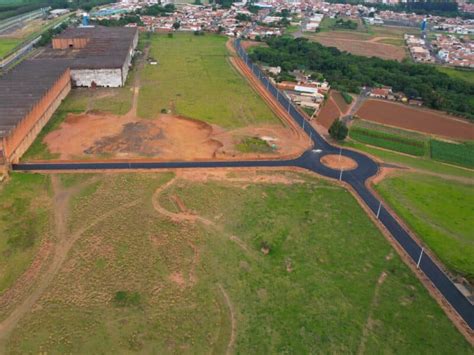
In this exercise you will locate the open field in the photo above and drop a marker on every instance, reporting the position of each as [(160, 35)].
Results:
[(385, 42), (439, 212), (105, 123), (7, 44), (416, 119), (464, 74), (24, 224), (222, 261), (194, 79)]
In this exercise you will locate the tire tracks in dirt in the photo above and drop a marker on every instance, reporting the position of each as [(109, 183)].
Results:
[(61, 250), (233, 321), (370, 321)]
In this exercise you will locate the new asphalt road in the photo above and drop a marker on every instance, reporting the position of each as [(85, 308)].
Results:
[(309, 160)]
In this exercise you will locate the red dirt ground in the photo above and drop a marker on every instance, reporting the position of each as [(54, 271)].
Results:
[(340, 102), (334, 161), (328, 113), (416, 119)]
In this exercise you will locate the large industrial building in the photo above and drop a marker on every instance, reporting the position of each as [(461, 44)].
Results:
[(29, 95), (33, 90), (100, 56)]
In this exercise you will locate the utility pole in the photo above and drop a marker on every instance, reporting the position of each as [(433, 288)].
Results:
[(340, 175), (340, 153), (419, 259)]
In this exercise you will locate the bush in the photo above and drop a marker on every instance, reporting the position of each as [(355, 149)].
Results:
[(126, 299), (390, 141), (461, 154), (347, 98), (338, 130)]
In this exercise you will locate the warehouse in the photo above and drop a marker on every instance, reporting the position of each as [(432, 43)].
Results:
[(30, 93), (100, 56)]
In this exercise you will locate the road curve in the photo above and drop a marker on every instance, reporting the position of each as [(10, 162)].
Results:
[(309, 160)]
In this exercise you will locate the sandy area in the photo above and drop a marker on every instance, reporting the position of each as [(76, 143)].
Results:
[(96, 135), (336, 162)]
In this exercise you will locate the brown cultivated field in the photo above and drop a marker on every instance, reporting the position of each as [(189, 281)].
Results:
[(416, 119), (333, 108)]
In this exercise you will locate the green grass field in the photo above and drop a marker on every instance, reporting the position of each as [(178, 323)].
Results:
[(7, 44), (194, 78), (24, 222), (464, 74), (136, 281), (439, 212), (389, 138)]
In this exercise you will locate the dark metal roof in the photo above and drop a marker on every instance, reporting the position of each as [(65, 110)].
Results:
[(23, 86), (107, 48)]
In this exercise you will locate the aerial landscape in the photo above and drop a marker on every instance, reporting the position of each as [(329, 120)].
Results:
[(236, 177)]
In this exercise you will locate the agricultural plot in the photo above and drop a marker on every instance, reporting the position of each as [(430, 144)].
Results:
[(416, 119), (440, 212), (7, 44), (194, 79), (166, 264), (389, 138)]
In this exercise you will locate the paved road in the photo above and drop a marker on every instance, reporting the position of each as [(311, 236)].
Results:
[(309, 160)]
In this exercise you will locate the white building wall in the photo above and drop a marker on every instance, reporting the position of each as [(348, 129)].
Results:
[(101, 77)]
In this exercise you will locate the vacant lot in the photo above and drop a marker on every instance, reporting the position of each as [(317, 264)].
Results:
[(194, 79), (379, 41), (416, 119), (225, 261), (334, 108), (440, 213)]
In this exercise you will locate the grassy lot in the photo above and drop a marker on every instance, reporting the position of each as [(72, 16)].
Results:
[(440, 212), (7, 44), (421, 163), (254, 144), (466, 74), (390, 138), (25, 206), (138, 282), (195, 79)]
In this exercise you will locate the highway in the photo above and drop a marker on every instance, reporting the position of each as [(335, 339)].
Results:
[(309, 160)]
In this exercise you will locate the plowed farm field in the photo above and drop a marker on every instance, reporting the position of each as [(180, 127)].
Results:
[(416, 119)]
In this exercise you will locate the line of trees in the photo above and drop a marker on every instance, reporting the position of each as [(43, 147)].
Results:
[(347, 72)]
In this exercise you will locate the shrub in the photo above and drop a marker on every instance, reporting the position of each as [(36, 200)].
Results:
[(126, 299), (338, 130), (347, 98)]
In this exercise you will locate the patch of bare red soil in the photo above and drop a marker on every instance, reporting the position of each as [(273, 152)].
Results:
[(338, 162)]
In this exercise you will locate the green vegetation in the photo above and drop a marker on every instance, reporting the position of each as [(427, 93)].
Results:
[(347, 98), (389, 138), (459, 154), (197, 281), (338, 130), (439, 212), (462, 74), (340, 23), (195, 79), (7, 45), (421, 163), (24, 223), (126, 299), (254, 145), (412, 143), (347, 72)]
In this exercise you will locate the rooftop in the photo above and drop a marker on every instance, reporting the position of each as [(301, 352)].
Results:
[(23, 86), (107, 48)]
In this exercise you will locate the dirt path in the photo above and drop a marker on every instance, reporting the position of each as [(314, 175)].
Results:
[(370, 321), (233, 333), (62, 248)]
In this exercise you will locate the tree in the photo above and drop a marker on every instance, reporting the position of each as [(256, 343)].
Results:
[(338, 130), (176, 25)]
